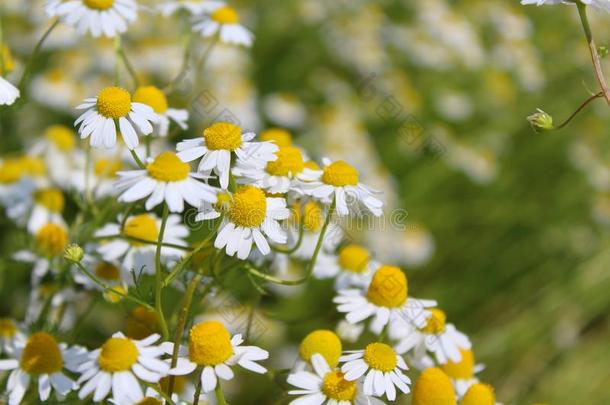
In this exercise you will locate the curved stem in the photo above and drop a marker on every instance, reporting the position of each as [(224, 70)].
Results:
[(35, 53), (579, 109), (159, 275), (599, 73), (295, 247), (220, 397), (136, 158)]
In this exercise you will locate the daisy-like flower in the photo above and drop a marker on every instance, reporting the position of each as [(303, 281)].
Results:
[(8, 92), (98, 17), (386, 300), (437, 337), (351, 266), (40, 357), (155, 98), (479, 394), (166, 178), (195, 7), (383, 368), (48, 206), (248, 214), (131, 250), (118, 365), (10, 334), (114, 104), (217, 144), (433, 387), (603, 5), (463, 372), (323, 342), (212, 348), (326, 386), (340, 180), (224, 22)]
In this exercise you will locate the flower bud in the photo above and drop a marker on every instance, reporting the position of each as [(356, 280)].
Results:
[(541, 121), (74, 253)]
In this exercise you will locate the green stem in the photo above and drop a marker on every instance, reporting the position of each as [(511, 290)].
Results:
[(197, 393), (132, 72), (148, 242), (199, 67), (220, 397), (185, 64), (579, 109), (599, 73), (159, 275), (35, 53), (137, 159), (295, 247)]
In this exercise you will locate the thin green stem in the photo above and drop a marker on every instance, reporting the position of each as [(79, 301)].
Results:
[(137, 159), (199, 67), (30, 63), (295, 247), (157, 387), (185, 64), (579, 109), (148, 242), (159, 275), (197, 393), (130, 69), (599, 73), (220, 397)]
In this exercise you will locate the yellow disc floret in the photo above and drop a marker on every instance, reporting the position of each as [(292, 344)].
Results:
[(115, 294), (223, 202), (143, 227), (114, 102), (249, 207), (462, 370), (151, 96), (336, 387), (167, 166), (340, 174), (107, 167), (209, 344), (14, 169), (225, 15), (289, 162), (8, 328), (278, 136), (50, 198), (311, 216), (51, 239), (222, 136), (479, 394), (324, 342), (436, 322), (354, 258), (380, 356), (62, 137), (41, 355), (99, 4), (433, 387), (118, 354), (388, 287), (107, 271)]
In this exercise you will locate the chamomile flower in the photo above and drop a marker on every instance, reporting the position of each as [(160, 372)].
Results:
[(351, 266), (382, 366), (118, 366), (155, 98), (479, 394), (437, 337), (386, 300), (433, 387), (217, 144), (113, 104), (279, 136), (10, 334), (248, 214), (8, 92), (166, 179), (40, 357), (277, 176), (463, 372), (603, 5), (129, 245), (340, 180), (212, 348), (224, 22), (48, 204), (98, 17), (326, 386), (195, 7)]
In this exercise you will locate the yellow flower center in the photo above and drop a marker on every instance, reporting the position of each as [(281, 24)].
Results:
[(249, 207), (8, 63), (51, 239), (336, 387), (62, 137), (41, 355), (118, 354), (280, 136), (167, 166), (209, 344), (464, 369), (311, 165), (50, 198), (354, 258), (107, 167), (222, 136), (152, 96), (223, 202), (288, 163), (141, 323), (115, 294), (143, 227), (380, 357), (388, 287), (324, 342), (99, 4), (225, 15), (149, 401), (107, 271), (14, 169), (436, 322), (340, 174), (312, 215), (7, 328), (479, 394), (113, 102), (433, 387), (33, 166)]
